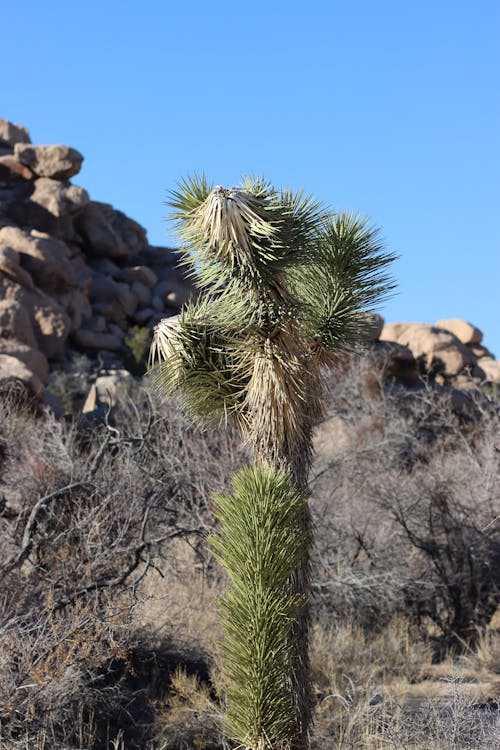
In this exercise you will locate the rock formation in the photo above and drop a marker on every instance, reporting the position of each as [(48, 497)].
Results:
[(449, 352), (75, 274)]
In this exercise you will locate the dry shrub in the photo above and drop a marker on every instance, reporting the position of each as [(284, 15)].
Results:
[(108, 588), (406, 505), (89, 510)]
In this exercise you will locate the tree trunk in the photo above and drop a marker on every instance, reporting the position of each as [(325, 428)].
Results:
[(298, 467)]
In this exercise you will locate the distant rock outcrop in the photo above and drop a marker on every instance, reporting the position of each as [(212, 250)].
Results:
[(74, 273), (448, 352)]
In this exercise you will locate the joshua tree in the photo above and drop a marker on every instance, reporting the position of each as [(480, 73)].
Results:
[(286, 285)]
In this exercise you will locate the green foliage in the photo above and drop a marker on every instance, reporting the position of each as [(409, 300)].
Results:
[(200, 358), (138, 341), (260, 544), (346, 277)]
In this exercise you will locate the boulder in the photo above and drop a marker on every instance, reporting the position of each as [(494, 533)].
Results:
[(465, 332), (142, 292), (16, 323), (56, 162), (45, 204), (78, 308), (161, 256), (113, 312), (52, 326), (11, 134), (162, 288), (32, 358), (178, 296), (10, 265), (107, 291), (126, 298), (84, 274), (396, 361), (116, 331), (96, 323), (59, 198), (491, 368), (12, 370), (46, 259), (157, 303), (31, 311), (12, 168), (105, 267), (437, 350), (374, 326), (142, 316), (87, 339), (481, 351), (109, 233), (141, 274), (106, 390)]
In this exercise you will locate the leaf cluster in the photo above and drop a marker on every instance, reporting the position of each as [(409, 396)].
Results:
[(346, 276), (260, 543)]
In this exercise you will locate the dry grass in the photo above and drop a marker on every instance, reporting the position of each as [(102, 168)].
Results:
[(383, 691)]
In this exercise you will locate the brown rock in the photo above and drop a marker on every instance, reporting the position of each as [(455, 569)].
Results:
[(491, 368), (374, 326), (113, 312), (126, 298), (15, 323), (10, 167), (46, 259), (105, 267), (116, 330), (157, 303), (142, 292), (465, 332), (46, 318), (162, 288), (12, 369), (10, 265), (107, 291), (142, 274), (83, 272), (178, 296), (59, 198), (77, 306), (57, 162), (106, 390), (32, 358), (52, 327), (97, 323), (396, 361), (481, 351), (438, 350), (142, 316), (11, 134), (87, 339), (109, 233), (161, 256)]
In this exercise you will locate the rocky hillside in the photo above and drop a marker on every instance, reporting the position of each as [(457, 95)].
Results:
[(77, 275), (449, 352)]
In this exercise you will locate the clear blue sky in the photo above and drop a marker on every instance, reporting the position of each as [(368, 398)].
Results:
[(389, 108)]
